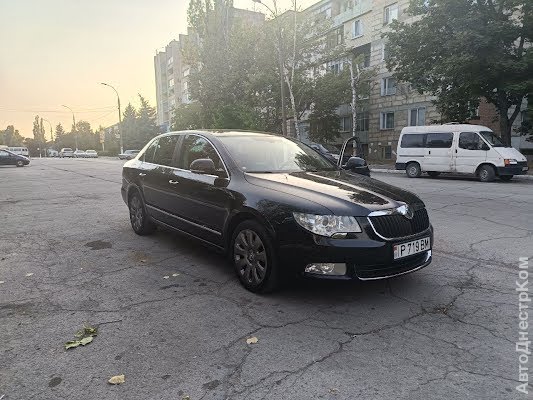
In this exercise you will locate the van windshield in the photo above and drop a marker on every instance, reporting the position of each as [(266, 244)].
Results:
[(492, 138)]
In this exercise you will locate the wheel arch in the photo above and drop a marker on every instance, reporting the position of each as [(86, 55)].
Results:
[(243, 215), (476, 173)]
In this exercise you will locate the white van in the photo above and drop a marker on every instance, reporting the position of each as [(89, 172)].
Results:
[(21, 151), (457, 148)]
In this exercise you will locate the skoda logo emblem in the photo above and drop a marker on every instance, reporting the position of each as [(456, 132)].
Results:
[(406, 211)]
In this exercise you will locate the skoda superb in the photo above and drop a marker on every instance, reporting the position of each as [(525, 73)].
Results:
[(275, 206)]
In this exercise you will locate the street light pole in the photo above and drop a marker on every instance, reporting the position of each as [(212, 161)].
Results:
[(74, 125), (51, 136), (280, 61), (119, 116)]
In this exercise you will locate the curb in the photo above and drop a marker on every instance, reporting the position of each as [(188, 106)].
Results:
[(397, 171)]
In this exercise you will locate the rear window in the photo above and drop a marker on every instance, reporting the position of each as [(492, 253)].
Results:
[(441, 140), (413, 140)]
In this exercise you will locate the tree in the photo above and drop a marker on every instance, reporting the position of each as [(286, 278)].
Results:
[(462, 50), (187, 116), (146, 122), (11, 137)]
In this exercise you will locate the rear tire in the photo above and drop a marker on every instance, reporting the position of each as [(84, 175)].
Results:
[(413, 170), (433, 174), (140, 220), (486, 173), (506, 178), (253, 258)]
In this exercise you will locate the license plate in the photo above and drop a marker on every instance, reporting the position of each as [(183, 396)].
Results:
[(525, 168), (409, 248)]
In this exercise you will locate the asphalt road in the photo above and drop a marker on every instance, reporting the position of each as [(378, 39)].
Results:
[(445, 332)]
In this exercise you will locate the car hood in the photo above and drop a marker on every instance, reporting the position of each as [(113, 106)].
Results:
[(341, 192), (510, 152)]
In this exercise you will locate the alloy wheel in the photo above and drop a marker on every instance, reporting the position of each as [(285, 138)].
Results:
[(136, 213), (250, 256)]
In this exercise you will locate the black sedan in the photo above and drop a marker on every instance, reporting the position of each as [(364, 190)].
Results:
[(275, 206), (9, 158)]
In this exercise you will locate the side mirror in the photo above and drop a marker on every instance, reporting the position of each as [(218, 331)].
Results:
[(354, 163), (204, 166)]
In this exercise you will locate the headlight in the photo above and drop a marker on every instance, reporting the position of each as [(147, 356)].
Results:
[(508, 161), (327, 225)]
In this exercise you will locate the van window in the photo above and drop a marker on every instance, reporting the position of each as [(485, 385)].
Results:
[(470, 141), (441, 140), (413, 141)]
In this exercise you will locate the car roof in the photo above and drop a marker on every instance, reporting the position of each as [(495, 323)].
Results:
[(445, 128), (227, 132)]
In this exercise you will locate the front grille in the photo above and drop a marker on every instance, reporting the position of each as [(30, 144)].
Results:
[(397, 226)]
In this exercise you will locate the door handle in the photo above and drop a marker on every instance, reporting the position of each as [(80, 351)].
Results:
[(142, 174), (173, 182), (429, 151)]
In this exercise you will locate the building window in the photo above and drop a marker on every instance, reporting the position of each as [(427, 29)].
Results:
[(362, 121), (388, 86), (335, 66), (357, 28), (384, 52), (171, 83), (386, 120), (347, 5), (386, 152), (346, 123), (390, 13), (417, 116)]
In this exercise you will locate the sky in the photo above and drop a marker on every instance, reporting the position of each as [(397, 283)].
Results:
[(56, 52)]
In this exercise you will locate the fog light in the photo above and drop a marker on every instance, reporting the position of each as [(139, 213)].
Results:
[(326, 268)]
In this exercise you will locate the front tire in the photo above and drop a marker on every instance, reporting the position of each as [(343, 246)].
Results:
[(413, 170), (486, 173), (139, 218), (20, 163), (253, 258), (506, 178)]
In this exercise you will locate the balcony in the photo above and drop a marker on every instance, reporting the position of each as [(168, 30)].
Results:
[(362, 7)]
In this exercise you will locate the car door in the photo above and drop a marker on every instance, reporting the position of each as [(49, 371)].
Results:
[(5, 158), (471, 151), (202, 201), (156, 178), (438, 153)]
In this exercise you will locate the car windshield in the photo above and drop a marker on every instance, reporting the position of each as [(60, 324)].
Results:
[(273, 154), (492, 139), (330, 148)]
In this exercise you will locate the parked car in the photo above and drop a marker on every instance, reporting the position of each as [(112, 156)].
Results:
[(275, 206), (66, 152), (128, 154), (91, 154), (79, 154), (458, 148), (21, 151), (52, 153), (9, 158)]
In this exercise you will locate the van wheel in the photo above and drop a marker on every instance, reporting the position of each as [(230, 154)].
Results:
[(506, 177), (486, 173), (433, 174), (413, 170)]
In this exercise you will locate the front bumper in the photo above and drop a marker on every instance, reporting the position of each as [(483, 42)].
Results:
[(520, 168), (367, 256)]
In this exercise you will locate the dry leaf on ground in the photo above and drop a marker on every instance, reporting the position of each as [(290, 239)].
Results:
[(175, 274), (29, 274), (2, 282), (166, 277), (252, 340), (117, 379)]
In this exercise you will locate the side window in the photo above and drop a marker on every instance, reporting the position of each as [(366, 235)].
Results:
[(470, 141), (150, 152), (413, 141), (4, 153), (164, 151), (439, 140), (195, 147)]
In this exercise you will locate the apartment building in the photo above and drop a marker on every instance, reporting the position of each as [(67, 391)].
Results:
[(359, 25)]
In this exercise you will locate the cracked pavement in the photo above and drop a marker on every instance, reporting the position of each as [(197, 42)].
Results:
[(445, 332)]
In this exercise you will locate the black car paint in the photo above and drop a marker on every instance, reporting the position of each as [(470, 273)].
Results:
[(13, 159), (208, 207)]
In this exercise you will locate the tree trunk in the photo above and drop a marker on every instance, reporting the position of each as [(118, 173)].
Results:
[(293, 106), (354, 79)]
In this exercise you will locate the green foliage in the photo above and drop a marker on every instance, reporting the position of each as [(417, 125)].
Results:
[(138, 126), (11, 137), (461, 51)]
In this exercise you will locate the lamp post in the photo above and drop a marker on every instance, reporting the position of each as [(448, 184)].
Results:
[(280, 61), (119, 116), (51, 136), (73, 125)]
